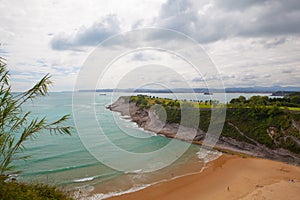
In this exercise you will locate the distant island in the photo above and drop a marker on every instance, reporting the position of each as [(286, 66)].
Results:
[(259, 126)]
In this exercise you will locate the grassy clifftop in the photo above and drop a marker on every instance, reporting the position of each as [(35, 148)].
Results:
[(260, 121)]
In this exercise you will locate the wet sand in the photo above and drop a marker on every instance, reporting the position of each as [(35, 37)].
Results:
[(229, 177)]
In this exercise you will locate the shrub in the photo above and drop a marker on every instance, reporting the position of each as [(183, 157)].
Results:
[(23, 191)]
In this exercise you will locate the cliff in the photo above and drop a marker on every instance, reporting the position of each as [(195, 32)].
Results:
[(232, 139)]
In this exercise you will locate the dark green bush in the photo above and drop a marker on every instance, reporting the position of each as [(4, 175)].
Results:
[(23, 191)]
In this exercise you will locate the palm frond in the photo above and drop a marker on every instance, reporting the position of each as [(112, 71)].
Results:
[(15, 128), (39, 89)]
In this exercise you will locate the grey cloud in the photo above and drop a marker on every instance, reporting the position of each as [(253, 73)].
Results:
[(238, 4), (273, 42), (213, 77), (267, 76), (248, 77), (273, 19), (90, 36), (183, 16), (138, 24), (205, 21), (2, 51), (174, 80), (229, 18), (141, 57), (286, 71), (198, 79), (227, 77), (41, 61)]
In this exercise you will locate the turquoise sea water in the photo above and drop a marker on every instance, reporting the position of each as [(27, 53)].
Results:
[(63, 160)]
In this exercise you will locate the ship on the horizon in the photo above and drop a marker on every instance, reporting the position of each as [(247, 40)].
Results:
[(208, 93)]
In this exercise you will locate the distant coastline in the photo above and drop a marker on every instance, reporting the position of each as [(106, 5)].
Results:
[(272, 90)]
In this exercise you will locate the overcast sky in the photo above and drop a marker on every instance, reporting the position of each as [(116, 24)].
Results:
[(251, 42)]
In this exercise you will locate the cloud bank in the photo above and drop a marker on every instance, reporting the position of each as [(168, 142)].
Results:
[(205, 21), (253, 42), (87, 36)]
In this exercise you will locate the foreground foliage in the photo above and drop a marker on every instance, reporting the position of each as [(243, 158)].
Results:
[(17, 126), (22, 191)]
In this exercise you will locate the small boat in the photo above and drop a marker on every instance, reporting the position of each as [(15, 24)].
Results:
[(102, 94), (208, 93)]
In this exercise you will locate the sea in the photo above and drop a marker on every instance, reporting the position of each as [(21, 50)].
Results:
[(67, 162)]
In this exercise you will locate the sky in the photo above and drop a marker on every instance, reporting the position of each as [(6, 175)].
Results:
[(244, 43)]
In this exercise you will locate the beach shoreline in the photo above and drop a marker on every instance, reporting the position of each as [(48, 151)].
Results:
[(194, 163), (237, 174), (228, 177)]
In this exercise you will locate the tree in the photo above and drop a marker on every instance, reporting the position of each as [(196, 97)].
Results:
[(17, 126), (295, 99), (239, 100)]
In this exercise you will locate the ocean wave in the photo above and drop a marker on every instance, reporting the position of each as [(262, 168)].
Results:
[(138, 171), (33, 148), (62, 155), (125, 117), (59, 169), (137, 188), (105, 175), (208, 155), (99, 103), (84, 179), (111, 194), (97, 178)]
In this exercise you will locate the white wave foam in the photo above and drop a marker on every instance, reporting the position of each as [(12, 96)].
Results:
[(208, 155), (111, 194), (138, 171), (134, 125), (137, 188), (84, 179), (125, 117), (149, 132)]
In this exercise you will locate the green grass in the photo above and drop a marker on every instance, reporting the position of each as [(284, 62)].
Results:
[(148, 101), (292, 108), (201, 105), (280, 107)]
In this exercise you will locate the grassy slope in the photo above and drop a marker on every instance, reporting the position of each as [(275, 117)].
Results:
[(255, 122)]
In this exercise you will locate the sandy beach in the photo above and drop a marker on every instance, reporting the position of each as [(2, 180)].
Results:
[(229, 177)]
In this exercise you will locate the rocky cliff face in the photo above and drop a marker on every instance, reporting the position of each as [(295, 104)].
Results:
[(149, 120)]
